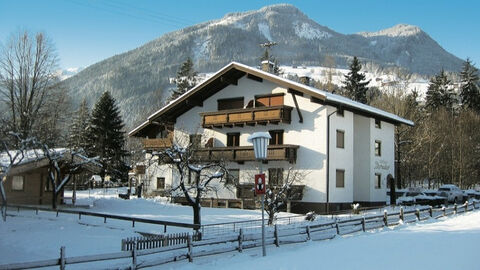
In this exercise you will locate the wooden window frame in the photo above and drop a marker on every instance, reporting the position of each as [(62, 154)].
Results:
[(159, 178), (378, 180), (229, 180), (232, 100), (378, 148), (273, 174), (231, 142), (14, 186), (342, 145), (337, 180), (277, 137)]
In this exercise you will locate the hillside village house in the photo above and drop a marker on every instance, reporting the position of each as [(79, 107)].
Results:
[(344, 148)]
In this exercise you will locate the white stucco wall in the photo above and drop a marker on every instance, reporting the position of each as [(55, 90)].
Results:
[(362, 155), (385, 163)]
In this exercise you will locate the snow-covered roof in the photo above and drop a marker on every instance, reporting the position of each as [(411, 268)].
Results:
[(314, 92), (28, 156)]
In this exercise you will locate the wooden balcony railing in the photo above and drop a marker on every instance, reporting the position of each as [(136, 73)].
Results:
[(156, 144), (246, 191), (245, 153), (247, 116)]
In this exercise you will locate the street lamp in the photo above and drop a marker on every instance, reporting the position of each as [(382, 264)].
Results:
[(260, 142)]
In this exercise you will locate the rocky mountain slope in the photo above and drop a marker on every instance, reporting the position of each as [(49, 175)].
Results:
[(139, 79)]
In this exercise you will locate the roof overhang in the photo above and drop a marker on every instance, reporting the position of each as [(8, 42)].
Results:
[(230, 74)]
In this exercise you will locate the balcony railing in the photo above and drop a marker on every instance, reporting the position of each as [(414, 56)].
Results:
[(247, 116), (156, 144), (246, 191), (284, 152)]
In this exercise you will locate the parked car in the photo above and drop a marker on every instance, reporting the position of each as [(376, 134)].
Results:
[(472, 194), (451, 192), (419, 197)]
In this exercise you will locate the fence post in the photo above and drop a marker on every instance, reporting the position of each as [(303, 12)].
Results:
[(363, 223), (401, 214), (444, 211), (79, 216), (275, 233), (57, 212), (336, 226), (62, 258), (134, 255), (240, 240), (36, 211), (104, 219), (133, 223), (164, 228), (430, 211), (455, 208), (385, 217), (417, 213), (308, 232), (189, 244), (466, 206), (474, 205), (123, 244)]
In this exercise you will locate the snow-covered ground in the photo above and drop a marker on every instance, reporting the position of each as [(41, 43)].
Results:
[(447, 243)]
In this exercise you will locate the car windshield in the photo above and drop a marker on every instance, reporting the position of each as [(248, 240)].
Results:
[(412, 194), (444, 189)]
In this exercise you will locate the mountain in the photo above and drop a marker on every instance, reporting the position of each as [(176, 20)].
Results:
[(139, 79)]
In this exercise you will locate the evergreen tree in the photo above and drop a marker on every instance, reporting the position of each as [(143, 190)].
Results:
[(440, 93), (355, 84), (185, 80), (78, 137), (470, 90), (106, 138)]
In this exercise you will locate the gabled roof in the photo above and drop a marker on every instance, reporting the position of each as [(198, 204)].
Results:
[(231, 73)]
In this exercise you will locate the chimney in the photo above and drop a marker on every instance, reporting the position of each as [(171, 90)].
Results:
[(267, 66), (305, 80)]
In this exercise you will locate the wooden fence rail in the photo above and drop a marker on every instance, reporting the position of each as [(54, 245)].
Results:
[(108, 216), (241, 241), (156, 241)]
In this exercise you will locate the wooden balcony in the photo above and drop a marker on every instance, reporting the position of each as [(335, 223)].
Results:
[(284, 152), (157, 144), (246, 191), (248, 116)]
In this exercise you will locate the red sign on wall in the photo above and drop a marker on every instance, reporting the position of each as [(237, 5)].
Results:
[(260, 184)]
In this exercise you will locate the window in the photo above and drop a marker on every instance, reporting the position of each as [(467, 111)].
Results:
[(17, 183), (378, 123), (340, 139), (232, 176), (230, 103), (47, 183), (269, 100), (195, 140), (160, 182), (378, 180), (233, 139), (340, 112), (277, 137), (378, 148), (340, 179), (275, 176)]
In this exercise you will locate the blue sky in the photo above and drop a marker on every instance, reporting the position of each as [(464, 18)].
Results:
[(87, 31)]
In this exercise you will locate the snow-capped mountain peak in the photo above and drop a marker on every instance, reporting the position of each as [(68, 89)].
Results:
[(399, 30)]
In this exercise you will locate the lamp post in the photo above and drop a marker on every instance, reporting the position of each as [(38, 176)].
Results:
[(260, 144)]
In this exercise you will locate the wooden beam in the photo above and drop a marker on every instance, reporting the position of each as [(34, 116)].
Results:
[(194, 102), (255, 78), (316, 100), (300, 117), (228, 80), (295, 92)]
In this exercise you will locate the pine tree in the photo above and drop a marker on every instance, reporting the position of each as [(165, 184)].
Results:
[(185, 80), (355, 84), (470, 90), (440, 93), (106, 138), (78, 138)]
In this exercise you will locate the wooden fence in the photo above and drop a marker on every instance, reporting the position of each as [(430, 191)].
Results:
[(133, 220), (239, 242), (156, 241)]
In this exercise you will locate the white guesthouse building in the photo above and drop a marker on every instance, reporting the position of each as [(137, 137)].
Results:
[(344, 149)]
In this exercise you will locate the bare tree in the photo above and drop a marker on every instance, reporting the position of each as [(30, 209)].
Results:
[(195, 175), (276, 197), (27, 80)]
